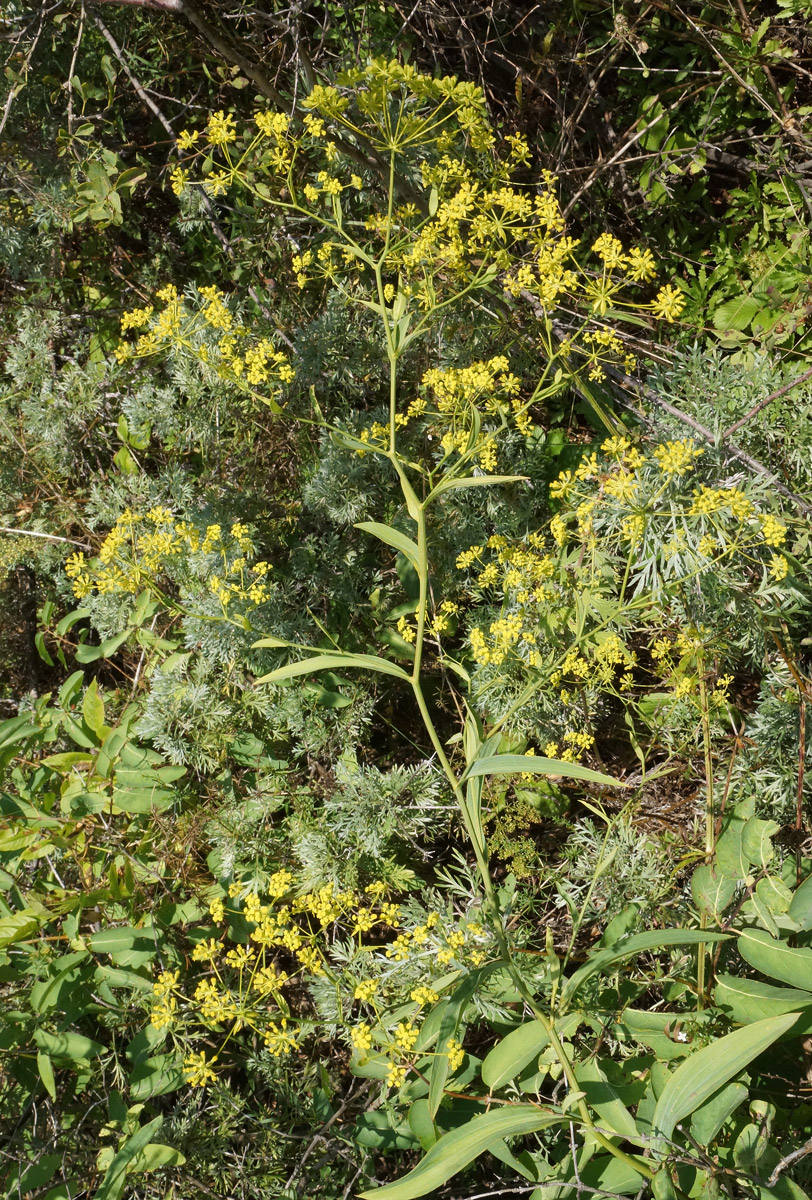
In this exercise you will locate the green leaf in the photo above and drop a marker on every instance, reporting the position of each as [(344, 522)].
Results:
[(756, 842), (800, 910), (156, 1155), (18, 926), (703, 1073), (513, 1053), (332, 662), (655, 939), (74, 1046), (736, 314), (93, 709), (392, 537), (157, 1076), (115, 1177), (46, 1073), (448, 1027), (749, 1000), (88, 654), (514, 764), (125, 461), (613, 1115), (712, 892), (776, 959), (709, 1118), (455, 1150), (469, 481), (774, 894)]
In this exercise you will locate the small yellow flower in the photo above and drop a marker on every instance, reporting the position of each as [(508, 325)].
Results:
[(668, 303), (205, 951), (197, 1070), (277, 1039), (361, 1036), (779, 567), (396, 1075), (772, 530), (221, 128), (406, 1036), (365, 990), (456, 1054)]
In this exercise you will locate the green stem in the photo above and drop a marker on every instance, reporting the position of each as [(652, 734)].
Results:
[(473, 828), (709, 814)]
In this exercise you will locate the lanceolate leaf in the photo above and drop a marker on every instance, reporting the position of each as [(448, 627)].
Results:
[(448, 1028), (392, 537), (469, 481), (776, 959), (637, 944), (699, 1076), (514, 764), (457, 1149), (513, 1053), (112, 1185), (333, 662)]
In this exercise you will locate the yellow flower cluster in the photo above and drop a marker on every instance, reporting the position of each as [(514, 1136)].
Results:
[(140, 551), (460, 394), (245, 986), (209, 333), (577, 594)]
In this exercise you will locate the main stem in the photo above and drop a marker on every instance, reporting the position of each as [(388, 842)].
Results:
[(473, 828), (709, 830)]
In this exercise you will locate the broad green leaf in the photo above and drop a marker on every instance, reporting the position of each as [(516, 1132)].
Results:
[(421, 1124), (638, 943), (776, 959), (469, 481), (66, 760), (34, 1177), (613, 1115), (88, 654), (749, 1000), (514, 764), (16, 729), (513, 1053), (800, 910), (392, 537), (156, 1155), (709, 1118), (662, 1032), (115, 1177), (774, 893), (730, 857), (455, 1150), (736, 314), (44, 993), (704, 1072), (18, 926), (448, 1027), (113, 744), (333, 662), (499, 1149), (93, 709), (613, 1175), (157, 1076), (376, 1130), (712, 892), (756, 840), (46, 1073), (118, 937), (67, 1045)]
